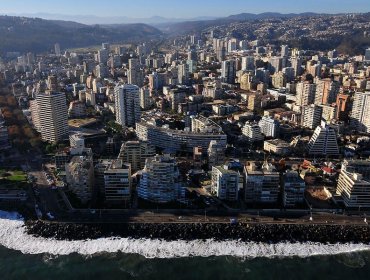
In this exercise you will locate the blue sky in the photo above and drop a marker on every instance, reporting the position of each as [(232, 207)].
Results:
[(179, 8)]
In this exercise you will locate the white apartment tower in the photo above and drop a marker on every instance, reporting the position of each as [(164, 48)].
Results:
[(52, 116), (225, 183), (160, 180), (269, 127), (311, 116), (127, 105), (253, 132), (360, 118)]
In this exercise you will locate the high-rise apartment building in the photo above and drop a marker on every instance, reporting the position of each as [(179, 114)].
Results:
[(326, 91), (80, 176), (228, 71), (253, 132), (216, 153), (225, 183), (135, 153), (269, 127), (262, 184), (305, 93), (311, 116), (360, 117), (145, 101), (127, 105), (293, 189), (117, 182), (183, 74), (52, 116), (160, 180)]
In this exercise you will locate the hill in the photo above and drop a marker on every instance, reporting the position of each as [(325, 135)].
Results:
[(37, 35)]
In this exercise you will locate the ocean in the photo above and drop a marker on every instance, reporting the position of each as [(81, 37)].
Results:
[(26, 257)]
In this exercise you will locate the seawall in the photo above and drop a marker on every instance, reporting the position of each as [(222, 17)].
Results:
[(271, 233)]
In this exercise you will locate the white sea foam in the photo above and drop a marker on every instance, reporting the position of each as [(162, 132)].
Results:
[(13, 236)]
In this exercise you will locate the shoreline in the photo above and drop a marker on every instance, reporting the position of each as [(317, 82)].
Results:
[(269, 233)]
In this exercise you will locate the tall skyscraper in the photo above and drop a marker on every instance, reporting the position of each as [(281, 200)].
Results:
[(53, 116), (228, 71), (127, 105), (360, 118)]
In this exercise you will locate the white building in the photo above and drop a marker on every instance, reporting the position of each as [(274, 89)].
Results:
[(360, 117), (269, 127), (52, 116), (135, 153), (311, 116), (160, 180), (183, 74), (172, 140), (225, 183), (253, 132), (276, 146), (127, 105), (324, 141), (354, 190)]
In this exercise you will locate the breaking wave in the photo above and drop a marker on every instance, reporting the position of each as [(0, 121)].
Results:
[(13, 236)]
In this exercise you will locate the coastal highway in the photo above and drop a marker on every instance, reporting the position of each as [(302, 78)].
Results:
[(176, 216)]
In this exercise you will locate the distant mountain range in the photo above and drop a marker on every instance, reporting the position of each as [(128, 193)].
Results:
[(91, 19), (37, 35)]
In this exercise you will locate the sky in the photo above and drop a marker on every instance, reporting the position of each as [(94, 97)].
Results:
[(178, 8)]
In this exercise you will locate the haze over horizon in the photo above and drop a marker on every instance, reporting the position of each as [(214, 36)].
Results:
[(128, 11)]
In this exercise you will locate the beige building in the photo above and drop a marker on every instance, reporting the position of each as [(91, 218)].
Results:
[(135, 153), (52, 114)]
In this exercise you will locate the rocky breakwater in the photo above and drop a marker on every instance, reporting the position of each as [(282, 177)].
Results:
[(271, 233)]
